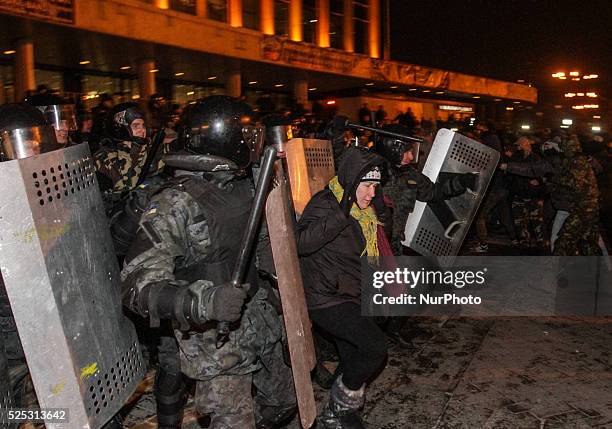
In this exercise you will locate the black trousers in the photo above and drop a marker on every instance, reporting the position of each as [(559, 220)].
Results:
[(361, 344)]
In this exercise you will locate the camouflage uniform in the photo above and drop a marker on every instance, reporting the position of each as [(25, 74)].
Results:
[(528, 203), (576, 180), (575, 191), (121, 163), (21, 382), (176, 244), (528, 217)]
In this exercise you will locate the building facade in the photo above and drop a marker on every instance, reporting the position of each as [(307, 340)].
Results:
[(186, 49)]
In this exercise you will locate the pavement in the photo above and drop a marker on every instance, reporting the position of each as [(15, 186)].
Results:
[(467, 373), (478, 373)]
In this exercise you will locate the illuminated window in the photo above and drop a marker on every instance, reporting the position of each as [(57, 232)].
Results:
[(281, 17), (360, 24), (250, 14), (217, 10), (336, 23)]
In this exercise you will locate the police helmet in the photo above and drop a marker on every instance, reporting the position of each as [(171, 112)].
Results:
[(24, 132), (117, 124), (222, 126), (392, 148), (59, 112)]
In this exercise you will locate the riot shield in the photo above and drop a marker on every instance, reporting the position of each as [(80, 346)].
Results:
[(62, 281), (279, 217), (310, 166), (437, 229)]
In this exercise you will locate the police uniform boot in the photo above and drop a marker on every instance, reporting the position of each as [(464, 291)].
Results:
[(342, 410), (170, 393), (271, 417)]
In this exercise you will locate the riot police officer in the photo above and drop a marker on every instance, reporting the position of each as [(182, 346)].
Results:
[(179, 267), (59, 113), (24, 132), (403, 185)]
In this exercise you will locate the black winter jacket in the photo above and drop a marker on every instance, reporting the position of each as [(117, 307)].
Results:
[(330, 244)]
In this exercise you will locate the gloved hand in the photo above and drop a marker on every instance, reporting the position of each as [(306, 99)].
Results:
[(226, 303), (469, 180)]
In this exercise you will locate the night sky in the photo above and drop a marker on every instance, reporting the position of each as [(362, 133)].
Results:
[(506, 39)]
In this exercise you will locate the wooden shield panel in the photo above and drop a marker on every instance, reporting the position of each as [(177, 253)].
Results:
[(280, 219)]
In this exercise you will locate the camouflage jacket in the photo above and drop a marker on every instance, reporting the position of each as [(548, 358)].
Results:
[(174, 235), (573, 185), (577, 180), (121, 163)]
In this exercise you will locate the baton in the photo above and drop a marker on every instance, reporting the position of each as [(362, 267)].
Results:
[(350, 124), (155, 144), (248, 237)]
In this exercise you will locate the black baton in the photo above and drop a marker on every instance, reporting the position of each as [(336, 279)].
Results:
[(156, 142), (248, 238)]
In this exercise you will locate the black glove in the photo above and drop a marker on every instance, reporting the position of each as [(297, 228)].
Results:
[(469, 180), (226, 303)]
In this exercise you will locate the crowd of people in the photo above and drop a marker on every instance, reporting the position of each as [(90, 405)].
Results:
[(549, 195)]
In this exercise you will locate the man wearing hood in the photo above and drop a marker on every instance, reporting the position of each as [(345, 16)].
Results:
[(336, 233)]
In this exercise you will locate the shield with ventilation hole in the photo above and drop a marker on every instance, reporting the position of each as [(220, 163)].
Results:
[(310, 166), (437, 229), (62, 281)]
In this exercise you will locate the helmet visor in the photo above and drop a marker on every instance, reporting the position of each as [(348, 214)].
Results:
[(61, 116), (253, 136)]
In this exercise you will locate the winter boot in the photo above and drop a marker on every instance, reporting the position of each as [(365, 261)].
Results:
[(170, 391), (342, 410)]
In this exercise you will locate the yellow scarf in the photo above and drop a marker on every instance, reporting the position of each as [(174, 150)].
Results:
[(367, 219)]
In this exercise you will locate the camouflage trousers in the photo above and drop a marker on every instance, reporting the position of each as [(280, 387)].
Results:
[(579, 235), (23, 390), (228, 400), (528, 217)]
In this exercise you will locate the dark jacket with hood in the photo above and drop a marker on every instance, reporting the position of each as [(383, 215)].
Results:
[(330, 244)]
